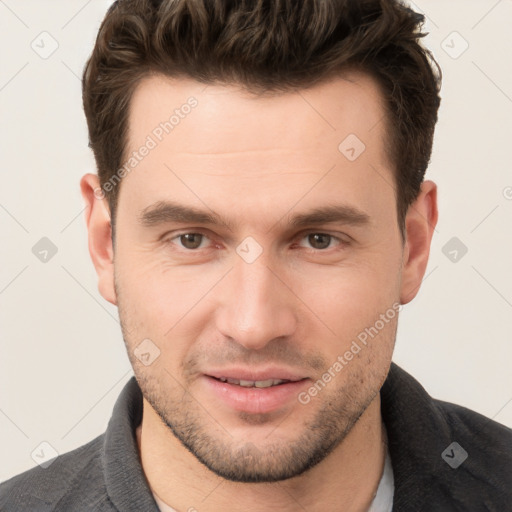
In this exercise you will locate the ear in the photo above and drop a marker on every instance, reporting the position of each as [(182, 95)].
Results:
[(420, 221), (97, 218)]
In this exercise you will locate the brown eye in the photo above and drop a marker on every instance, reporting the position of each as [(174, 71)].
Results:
[(319, 240), (191, 240)]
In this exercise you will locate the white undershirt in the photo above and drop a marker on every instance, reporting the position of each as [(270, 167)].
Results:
[(383, 501)]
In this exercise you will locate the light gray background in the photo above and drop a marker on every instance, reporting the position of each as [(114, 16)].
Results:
[(63, 361)]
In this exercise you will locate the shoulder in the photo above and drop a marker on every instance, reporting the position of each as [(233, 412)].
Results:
[(486, 439), (407, 404), (77, 474), (476, 458), (442, 453)]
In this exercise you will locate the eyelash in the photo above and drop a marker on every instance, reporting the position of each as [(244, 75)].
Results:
[(341, 242)]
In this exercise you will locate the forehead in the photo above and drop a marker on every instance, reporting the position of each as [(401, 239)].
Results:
[(330, 110), (209, 141)]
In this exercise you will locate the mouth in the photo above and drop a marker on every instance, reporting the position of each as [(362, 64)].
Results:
[(254, 392), (253, 383)]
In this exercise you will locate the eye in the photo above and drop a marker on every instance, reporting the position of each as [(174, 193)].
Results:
[(321, 241), (189, 241)]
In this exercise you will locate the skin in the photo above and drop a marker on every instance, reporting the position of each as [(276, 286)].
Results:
[(256, 161)]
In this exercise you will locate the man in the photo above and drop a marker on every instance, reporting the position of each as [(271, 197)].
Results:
[(259, 216)]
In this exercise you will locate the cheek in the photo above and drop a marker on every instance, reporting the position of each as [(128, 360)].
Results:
[(162, 303), (160, 291), (355, 291), (351, 301)]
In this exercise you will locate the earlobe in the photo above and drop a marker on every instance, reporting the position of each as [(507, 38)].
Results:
[(420, 222), (97, 217)]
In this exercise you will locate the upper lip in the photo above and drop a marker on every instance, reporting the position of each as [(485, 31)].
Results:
[(253, 374)]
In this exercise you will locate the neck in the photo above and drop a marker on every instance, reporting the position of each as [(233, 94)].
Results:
[(349, 476)]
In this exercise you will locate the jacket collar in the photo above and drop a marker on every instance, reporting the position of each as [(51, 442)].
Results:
[(125, 481), (418, 433)]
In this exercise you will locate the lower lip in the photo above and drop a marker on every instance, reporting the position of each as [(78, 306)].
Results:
[(255, 400)]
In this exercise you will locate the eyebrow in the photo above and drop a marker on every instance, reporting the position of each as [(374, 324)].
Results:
[(163, 212)]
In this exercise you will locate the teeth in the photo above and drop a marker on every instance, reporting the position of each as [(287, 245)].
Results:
[(267, 383), (253, 383)]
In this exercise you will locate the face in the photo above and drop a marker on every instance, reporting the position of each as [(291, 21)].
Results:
[(258, 255)]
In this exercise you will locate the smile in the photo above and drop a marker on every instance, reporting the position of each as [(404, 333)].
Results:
[(254, 383)]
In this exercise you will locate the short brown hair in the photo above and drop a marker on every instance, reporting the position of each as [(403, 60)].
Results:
[(269, 46)]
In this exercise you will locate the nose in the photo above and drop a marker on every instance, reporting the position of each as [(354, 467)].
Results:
[(255, 306)]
